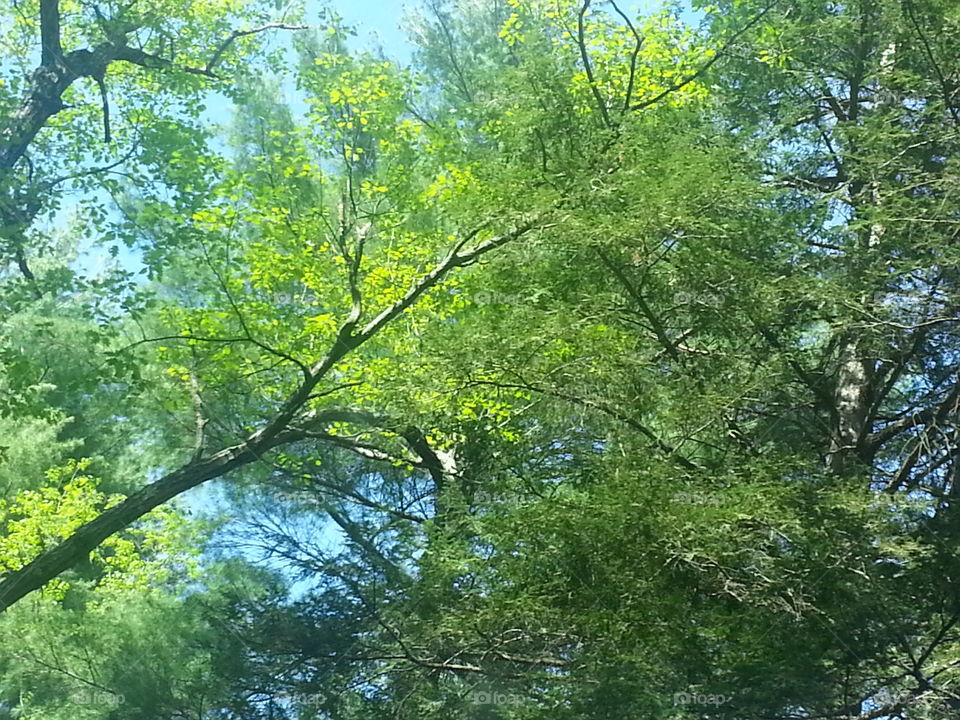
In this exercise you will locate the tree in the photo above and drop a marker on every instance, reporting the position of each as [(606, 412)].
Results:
[(691, 510), (619, 356), (365, 95)]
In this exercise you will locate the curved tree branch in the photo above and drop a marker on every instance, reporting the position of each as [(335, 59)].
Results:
[(291, 423)]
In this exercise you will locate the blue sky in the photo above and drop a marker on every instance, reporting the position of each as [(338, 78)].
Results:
[(379, 22)]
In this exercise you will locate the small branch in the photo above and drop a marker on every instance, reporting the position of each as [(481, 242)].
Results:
[(949, 406), (335, 389), (305, 371), (136, 56), (200, 422), (364, 450), (439, 465), (144, 59), (645, 309), (662, 446), (222, 48), (353, 496), (354, 260), (354, 532), (588, 66), (638, 40), (106, 108), (826, 184), (835, 107), (49, 184), (64, 671), (708, 64), (823, 398), (451, 49), (455, 259), (21, 259), (944, 85)]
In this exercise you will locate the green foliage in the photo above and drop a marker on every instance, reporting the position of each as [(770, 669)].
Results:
[(603, 364)]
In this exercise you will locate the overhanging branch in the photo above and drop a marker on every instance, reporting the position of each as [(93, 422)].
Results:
[(50, 32), (278, 431)]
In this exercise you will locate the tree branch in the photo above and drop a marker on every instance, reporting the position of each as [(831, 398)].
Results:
[(106, 108), (222, 48), (634, 55), (275, 433), (48, 82), (588, 66), (941, 78), (708, 64), (645, 309), (663, 447), (51, 51), (950, 404)]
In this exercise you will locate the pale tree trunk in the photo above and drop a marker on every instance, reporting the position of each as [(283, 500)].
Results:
[(856, 367)]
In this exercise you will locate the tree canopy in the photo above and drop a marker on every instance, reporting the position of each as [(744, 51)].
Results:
[(590, 364)]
